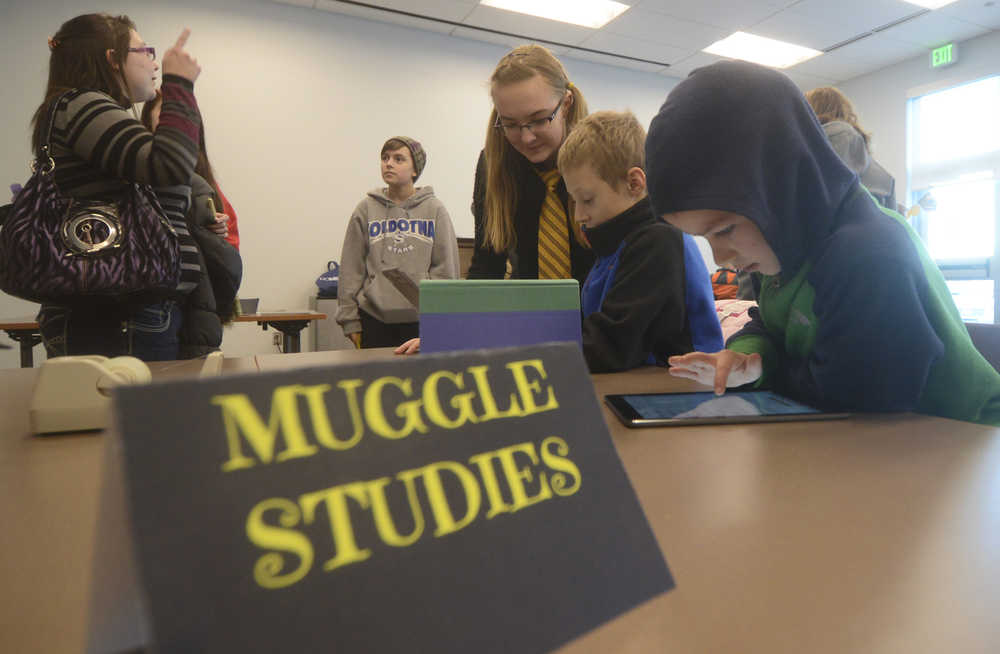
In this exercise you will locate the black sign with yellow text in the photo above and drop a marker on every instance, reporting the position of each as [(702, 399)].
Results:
[(469, 502)]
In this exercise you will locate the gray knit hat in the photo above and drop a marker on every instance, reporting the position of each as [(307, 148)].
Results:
[(416, 152)]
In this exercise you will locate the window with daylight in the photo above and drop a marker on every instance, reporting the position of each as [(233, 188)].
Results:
[(953, 164)]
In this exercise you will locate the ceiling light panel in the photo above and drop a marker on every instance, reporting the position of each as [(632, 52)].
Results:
[(761, 50), (586, 13)]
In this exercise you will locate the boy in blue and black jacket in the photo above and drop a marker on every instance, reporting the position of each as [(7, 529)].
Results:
[(648, 296)]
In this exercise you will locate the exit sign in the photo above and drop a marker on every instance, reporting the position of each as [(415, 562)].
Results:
[(946, 55)]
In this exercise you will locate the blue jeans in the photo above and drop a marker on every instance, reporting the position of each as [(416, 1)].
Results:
[(149, 333)]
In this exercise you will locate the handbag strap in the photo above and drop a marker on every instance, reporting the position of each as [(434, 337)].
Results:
[(44, 162)]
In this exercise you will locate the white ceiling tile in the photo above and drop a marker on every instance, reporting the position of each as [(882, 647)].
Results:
[(447, 9), (880, 49), (454, 10), (509, 42), (674, 31), (833, 66), (660, 28), (808, 82), (975, 11), (729, 15), (382, 16), (640, 48), (528, 26), (864, 56), (683, 68), (859, 15), (934, 29), (800, 29), (617, 62)]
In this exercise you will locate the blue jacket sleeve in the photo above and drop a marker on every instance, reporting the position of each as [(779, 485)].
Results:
[(706, 331)]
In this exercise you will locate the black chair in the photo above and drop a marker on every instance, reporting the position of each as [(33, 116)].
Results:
[(986, 338)]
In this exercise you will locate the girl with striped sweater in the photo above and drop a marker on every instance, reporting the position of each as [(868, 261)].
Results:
[(99, 68)]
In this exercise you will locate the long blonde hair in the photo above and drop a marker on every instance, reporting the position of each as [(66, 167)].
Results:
[(831, 104), (521, 63)]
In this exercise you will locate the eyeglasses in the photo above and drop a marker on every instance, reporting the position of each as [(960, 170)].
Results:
[(148, 49), (512, 127)]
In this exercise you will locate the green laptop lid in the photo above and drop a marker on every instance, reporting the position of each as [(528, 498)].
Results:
[(494, 295)]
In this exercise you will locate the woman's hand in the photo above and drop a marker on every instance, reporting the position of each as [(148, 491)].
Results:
[(220, 226), (177, 61), (411, 346), (718, 369), (356, 339)]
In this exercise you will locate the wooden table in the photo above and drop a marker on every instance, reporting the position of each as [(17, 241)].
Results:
[(872, 534), (24, 331), (289, 323), (48, 506)]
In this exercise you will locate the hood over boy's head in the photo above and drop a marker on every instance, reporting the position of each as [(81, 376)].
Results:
[(739, 137)]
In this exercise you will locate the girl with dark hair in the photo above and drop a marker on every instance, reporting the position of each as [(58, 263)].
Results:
[(99, 67), (225, 224), (212, 302)]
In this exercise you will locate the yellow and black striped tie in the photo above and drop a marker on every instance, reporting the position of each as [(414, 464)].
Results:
[(553, 233)]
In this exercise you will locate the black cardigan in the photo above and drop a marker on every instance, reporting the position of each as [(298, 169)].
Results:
[(488, 264)]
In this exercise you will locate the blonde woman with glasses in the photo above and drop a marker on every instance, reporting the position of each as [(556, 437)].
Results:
[(522, 210)]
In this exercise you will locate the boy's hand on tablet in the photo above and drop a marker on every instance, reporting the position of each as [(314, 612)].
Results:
[(411, 346), (718, 369)]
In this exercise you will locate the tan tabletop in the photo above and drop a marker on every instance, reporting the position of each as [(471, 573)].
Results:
[(48, 507), (25, 322), (270, 362), (280, 316), (874, 534)]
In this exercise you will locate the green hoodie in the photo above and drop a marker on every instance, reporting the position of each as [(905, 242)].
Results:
[(860, 318)]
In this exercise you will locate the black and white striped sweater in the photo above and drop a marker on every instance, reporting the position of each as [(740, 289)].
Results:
[(100, 148)]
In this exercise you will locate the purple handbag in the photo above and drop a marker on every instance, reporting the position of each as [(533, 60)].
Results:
[(59, 250)]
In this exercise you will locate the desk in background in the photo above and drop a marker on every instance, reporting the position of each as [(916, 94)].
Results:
[(25, 332), (289, 323), (872, 534)]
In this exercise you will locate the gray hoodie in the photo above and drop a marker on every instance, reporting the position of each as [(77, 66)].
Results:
[(415, 237), (851, 147)]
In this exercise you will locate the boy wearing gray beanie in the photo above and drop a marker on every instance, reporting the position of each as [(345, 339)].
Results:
[(399, 227)]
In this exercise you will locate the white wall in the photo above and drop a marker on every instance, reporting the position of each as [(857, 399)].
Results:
[(296, 105), (880, 97)]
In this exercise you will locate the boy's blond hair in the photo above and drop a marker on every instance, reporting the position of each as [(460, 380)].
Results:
[(612, 142)]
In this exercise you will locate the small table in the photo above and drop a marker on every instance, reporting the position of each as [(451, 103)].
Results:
[(24, 331), (289, 323)]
